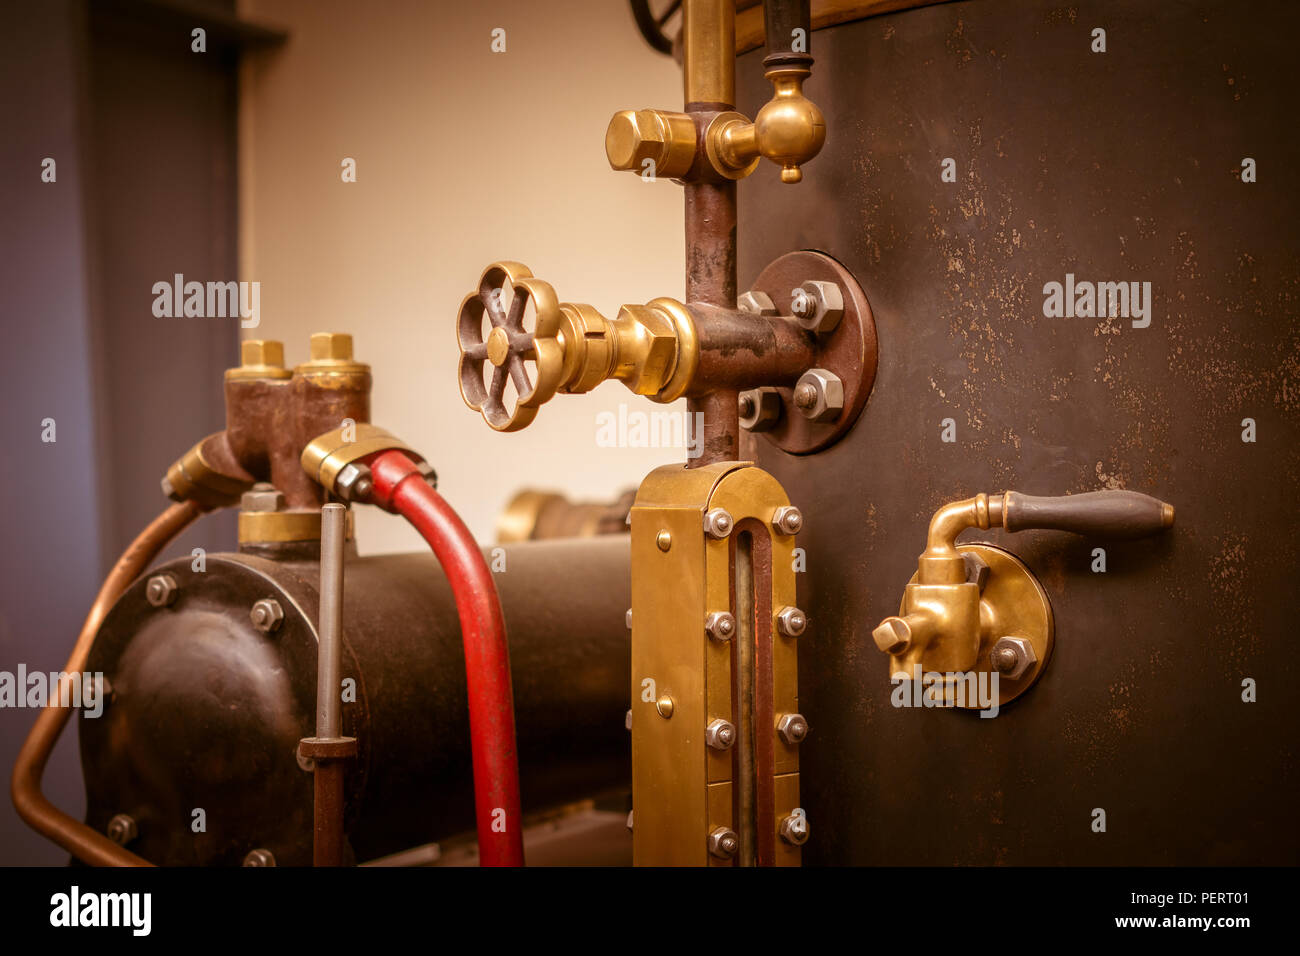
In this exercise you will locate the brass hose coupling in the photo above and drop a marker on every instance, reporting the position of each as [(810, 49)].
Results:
[(977, 607)]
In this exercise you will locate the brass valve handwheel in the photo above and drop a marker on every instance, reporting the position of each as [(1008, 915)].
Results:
[(504, 292)]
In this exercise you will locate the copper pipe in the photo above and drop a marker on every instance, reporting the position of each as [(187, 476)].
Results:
[(709, 74), (25, 786)]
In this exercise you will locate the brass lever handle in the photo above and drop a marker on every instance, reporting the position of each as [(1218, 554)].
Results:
[(1110, 514), (978, 607)]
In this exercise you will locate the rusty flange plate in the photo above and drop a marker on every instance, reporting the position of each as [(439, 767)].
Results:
[(849, 351)]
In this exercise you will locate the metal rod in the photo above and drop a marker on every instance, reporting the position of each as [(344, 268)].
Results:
[(332, 533)]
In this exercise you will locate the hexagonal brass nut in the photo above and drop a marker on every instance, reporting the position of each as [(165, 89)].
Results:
[(792, 728), (1024, 651), (331, 347), (893, 635), (261, 353), (828, 395), (666, 139), (818, 306), (760, 409), (653, 354)]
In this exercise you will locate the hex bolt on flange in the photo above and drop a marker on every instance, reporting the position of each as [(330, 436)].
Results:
[(259, 857), (756, 303), (792, 728), (723, 843), (262, 497), (266, 615), (718, 522), (161, 590), (1012, 656), (720, 734), (759, 409), (720, 625), (817, 306), (791, 622), (794, 829), (122, 829), (788, 519), (819, 394)]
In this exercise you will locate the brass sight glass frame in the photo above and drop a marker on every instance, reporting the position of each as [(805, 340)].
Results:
[(683, 789)]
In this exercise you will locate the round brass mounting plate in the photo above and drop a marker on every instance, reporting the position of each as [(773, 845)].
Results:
[(1012, 604), (849, 350)]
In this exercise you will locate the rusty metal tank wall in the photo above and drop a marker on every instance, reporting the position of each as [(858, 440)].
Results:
[(1116, 166), (206, 711)]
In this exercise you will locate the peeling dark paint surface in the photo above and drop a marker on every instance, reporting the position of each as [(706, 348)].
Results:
[(1122, 166)]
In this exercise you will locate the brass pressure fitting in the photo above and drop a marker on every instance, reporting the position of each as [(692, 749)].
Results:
[(654, 143), (272, 412)]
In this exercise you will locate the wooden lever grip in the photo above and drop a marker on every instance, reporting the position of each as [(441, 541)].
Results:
[(1109, 514)]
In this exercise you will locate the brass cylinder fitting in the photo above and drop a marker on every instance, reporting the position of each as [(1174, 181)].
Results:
[(654, 143), (260, 358)]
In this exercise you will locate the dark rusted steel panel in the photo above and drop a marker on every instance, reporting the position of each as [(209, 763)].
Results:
[(1118, 166)]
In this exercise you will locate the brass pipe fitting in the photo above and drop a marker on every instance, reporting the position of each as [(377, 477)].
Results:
[(654, 143), (789, 130), (272, 413), (962, 602)]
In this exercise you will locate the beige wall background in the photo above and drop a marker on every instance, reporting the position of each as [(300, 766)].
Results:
[(464, 157)]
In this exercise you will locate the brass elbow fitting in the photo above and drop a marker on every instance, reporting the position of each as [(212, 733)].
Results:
[(789, 130)]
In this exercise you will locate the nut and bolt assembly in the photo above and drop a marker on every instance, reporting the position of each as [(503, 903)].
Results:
[(718, 523), (122, 829), (788, 519), (723, 843), (266, 615), (794, 829), (1012, 656), (720, 625), (792, 728), (720, 734), (161, 590), (791, 622), (817, 306), (819, 395)]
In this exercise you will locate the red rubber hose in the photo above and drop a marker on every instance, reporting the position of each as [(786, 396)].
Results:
[(399, 487)]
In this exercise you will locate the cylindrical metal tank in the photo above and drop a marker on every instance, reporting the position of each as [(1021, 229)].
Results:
[(206, 711), (1124, 165)]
